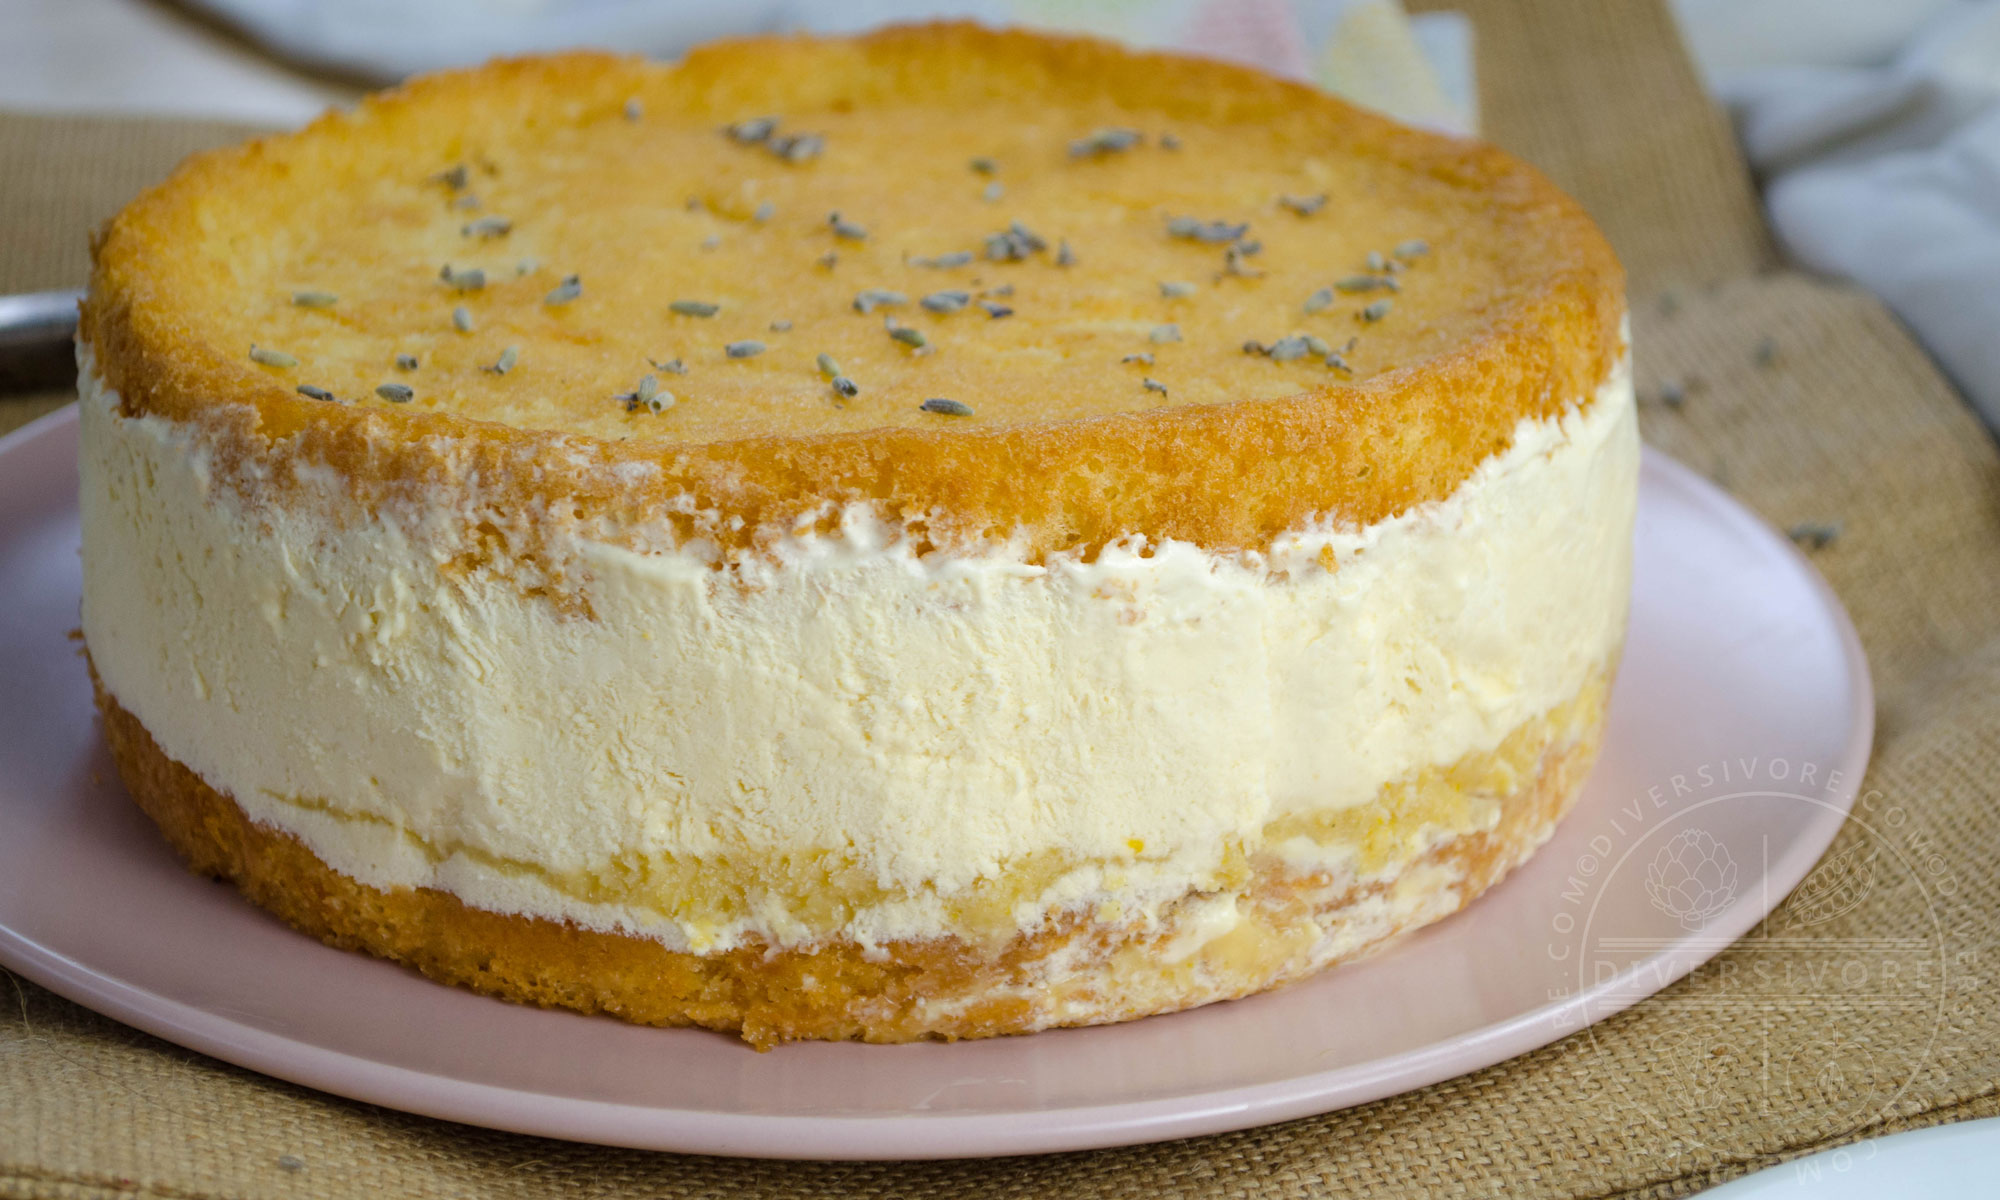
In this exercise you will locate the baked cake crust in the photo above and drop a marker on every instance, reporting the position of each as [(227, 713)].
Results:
[(1069, 973), (1522, 317)]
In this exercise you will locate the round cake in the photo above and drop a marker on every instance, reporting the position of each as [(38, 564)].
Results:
[(937, 534)]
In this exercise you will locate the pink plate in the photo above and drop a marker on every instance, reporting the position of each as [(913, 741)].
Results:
[(1739, 730)]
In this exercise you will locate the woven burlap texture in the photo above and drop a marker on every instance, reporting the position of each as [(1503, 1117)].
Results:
[(1804, 398)]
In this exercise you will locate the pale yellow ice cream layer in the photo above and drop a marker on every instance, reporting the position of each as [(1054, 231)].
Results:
[(839, 739)]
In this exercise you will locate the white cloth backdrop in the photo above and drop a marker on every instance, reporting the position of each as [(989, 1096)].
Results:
[(1875, 125), (152, 55)]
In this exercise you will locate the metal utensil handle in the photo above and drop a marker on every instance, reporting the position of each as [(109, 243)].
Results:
[(38, 318), (36, 330)]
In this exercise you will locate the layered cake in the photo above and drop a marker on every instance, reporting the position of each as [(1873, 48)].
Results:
[(939, 534)]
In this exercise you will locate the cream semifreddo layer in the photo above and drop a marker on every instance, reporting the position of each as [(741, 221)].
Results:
[(837, 739)]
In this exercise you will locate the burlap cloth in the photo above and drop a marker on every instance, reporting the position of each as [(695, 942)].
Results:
[(1836, 419)]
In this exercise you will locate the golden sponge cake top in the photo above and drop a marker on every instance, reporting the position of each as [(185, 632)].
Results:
[(965, 272)]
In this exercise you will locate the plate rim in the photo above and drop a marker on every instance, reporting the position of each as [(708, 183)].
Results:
[(1890, 1152), (913, 1136)]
